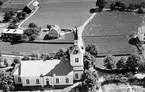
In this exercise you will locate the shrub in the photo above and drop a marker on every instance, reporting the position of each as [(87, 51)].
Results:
[(32, 25), (12, 26), (15, 20)]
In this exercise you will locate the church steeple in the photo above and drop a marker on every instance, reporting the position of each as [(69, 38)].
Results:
[(75, 31), (143, 21)]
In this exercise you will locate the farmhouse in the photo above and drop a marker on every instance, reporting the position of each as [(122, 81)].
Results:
[(9, 34), (51, 73)]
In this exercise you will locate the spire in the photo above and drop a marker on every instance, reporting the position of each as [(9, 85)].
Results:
[(143, 21), (76, 33)]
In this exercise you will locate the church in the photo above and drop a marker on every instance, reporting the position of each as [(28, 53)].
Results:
[(52, 73)]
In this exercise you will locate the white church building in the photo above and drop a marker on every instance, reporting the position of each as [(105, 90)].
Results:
[(52, 73)]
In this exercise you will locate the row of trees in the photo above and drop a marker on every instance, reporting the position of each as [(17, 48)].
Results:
[(60, 54), (130, 7), (132, 63), (118, 5), (14, 17)]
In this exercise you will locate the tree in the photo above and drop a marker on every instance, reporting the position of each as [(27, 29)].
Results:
[(31, 33), (32, 25), (1, 3), (7, 17), (123, 7), (120, 64), (130, 7), (90, 81), (6, 62), (142, 4), (92, 49), (21, 15), (112, 6), (49, 27), (6, 81), (16, 61), (59, 54), (133, 62), (118, 4), (101, 3), (89, 60), (109, 62), (140, 11)]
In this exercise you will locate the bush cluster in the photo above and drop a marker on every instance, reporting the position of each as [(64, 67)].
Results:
[(31, 33)]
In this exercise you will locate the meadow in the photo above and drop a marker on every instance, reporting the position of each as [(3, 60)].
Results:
[(111, 31)]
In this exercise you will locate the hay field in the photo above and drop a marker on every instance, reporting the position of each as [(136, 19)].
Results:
[(111, 30)]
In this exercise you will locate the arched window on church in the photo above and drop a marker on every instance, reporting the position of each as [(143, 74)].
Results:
[(27, 81), (76, 76), (67, 80), (57, 80), (37, 81)]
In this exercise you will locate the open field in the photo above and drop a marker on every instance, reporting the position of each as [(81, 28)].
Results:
[(27, 48), (122, 88), (65, 13), (111, 30)]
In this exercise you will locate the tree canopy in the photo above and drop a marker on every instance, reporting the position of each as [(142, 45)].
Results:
[(101, 3), (6, 81), (90, 81), (109, 62), (92, 49)]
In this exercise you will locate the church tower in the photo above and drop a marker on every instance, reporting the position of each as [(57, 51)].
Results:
[(76, 56)]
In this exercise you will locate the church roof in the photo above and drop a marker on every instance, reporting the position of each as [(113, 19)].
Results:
[(46, 68)]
